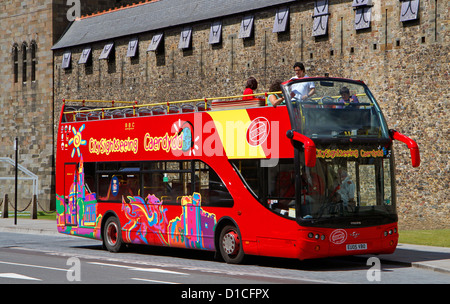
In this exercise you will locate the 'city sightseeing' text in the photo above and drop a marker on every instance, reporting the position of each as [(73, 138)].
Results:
[(107, 146)]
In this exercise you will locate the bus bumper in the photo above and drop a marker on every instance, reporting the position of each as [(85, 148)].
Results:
[(319, 243)]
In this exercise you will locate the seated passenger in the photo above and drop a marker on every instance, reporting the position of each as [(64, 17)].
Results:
[(346, 98), (250, 86), (275, 99)]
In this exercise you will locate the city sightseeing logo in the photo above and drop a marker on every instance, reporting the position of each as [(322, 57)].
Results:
[(258, 131), (77, 141), (338, 236)]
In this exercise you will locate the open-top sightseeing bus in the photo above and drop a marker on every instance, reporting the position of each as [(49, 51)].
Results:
[(310, 178)]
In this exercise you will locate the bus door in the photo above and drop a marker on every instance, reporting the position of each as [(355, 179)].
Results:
[(70, 194)]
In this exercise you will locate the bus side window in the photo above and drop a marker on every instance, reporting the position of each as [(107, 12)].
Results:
[(89, 177), (153, 185), (210, 186), (131, 188), (168, 181)]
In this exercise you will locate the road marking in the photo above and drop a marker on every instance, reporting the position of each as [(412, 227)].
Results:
[(139, 268), (154, 281), (33, 266), (17, 276)]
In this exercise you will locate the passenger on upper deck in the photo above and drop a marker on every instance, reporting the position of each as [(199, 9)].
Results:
[(302, 90), (346, 98), (250, 86), (275, 99)]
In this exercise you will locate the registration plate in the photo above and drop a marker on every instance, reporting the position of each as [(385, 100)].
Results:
[(351, 247)]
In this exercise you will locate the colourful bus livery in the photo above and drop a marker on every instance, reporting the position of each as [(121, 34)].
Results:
[(309, 179)]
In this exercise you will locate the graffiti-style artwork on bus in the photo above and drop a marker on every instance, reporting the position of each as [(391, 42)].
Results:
[(77, 213), (194, 228), (144, 217)]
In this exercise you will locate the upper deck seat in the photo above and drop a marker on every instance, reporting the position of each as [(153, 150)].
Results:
[(95, 115), (117, 114), (187, 108), (144, 112), (107, 115), (173, 109), (158, 110), (201, 107), (130, 112), (69, 116), (82, 116)]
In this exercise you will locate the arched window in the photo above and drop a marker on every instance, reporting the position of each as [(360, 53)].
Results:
[(33, 47), (15, 57), (24, 61)]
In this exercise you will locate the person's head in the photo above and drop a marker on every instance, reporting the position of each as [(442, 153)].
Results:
[(345, 93), (252, 83), (299, 69), (342, 173), (275, 86)]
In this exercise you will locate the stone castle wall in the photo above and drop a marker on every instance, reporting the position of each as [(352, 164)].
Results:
[(404, 64), (26, 107)]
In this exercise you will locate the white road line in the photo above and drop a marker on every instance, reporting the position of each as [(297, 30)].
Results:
[(33, 266), (154, 281), (17, 276), (139, 268)]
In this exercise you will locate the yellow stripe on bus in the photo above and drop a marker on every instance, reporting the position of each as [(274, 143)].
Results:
[(232, 128)]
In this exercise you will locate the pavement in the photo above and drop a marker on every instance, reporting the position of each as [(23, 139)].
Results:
[(419, 256)]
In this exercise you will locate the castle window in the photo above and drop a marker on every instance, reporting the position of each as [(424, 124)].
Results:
[(24, 62), (15, 55), (185, 38), (320, 18), (215, 34), (363, 12), (86, 57), (108, 51), (66, 60), (133, 47), (246, 30), (281, 20), (409, 10), (33, 60), (156, 42)]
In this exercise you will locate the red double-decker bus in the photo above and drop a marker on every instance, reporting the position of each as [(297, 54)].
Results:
[(312, 177)]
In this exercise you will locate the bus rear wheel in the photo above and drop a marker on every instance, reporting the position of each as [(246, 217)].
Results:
[(230, 245), (112, 235)]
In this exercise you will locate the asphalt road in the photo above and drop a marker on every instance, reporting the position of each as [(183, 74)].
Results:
[(59, 259)]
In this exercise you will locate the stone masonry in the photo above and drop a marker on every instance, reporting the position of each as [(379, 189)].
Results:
[(26, 100)]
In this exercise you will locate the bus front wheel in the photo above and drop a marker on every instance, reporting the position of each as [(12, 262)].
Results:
[(230, 245), (112, 236)]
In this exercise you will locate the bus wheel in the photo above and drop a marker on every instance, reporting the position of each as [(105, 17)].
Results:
[(112, 236), (230, 245)]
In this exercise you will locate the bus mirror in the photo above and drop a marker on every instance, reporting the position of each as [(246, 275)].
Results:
[(310, 147), (412, 145)]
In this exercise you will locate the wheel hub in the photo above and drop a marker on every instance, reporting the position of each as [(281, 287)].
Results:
[(230, 243), (111, 234)]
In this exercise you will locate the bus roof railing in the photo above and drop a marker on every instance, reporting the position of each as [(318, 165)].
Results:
[(219, 102), (203, 104)]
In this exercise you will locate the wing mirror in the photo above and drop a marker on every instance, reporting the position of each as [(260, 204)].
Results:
[(412, 145)]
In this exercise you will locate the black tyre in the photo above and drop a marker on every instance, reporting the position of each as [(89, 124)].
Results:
[(230, 245), (112, 235)]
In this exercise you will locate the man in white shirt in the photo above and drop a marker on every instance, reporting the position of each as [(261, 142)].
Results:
[(301, 90)]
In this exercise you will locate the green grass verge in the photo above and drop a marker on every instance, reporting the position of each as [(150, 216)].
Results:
[(40, 215), (439, 237)]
